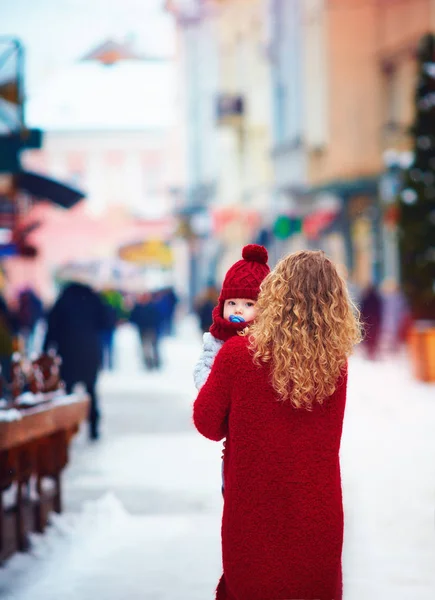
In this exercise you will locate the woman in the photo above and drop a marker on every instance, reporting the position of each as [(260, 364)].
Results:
[(278, 395)]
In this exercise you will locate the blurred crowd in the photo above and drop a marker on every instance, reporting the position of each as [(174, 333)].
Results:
[(81, 327)]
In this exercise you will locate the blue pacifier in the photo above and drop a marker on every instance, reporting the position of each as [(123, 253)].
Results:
[(236, 319)]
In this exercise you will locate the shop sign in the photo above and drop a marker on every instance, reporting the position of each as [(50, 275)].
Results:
[(150, 253)]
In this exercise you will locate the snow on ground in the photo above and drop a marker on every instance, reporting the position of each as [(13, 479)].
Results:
[(106, 554), (388, 466), (171, 549)]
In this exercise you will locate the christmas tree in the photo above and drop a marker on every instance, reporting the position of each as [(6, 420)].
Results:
[(417, 198)]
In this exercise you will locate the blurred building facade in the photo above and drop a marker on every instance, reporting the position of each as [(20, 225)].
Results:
[(290, 125), (110, 130), (126, 170), (227, 95), (301, 111), (243, 112), (196, 56), (369, 59)]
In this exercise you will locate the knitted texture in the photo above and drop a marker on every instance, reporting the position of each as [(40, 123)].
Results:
[(244, 278), (211, 347), (282, 524), (222, 329)]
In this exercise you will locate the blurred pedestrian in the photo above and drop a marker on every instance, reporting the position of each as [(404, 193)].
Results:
[(371, 316), (74, 328), (172, 300), (30, 312), (147, 318), (113, 303), (278, 396), (204, 305), (7, 329), (395, 316), (166, 301)]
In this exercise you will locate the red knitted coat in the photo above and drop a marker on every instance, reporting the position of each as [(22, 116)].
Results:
[(282, 524)]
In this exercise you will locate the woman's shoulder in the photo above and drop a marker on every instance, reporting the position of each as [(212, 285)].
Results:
[(237, 341), (233, 354), (238, 344)]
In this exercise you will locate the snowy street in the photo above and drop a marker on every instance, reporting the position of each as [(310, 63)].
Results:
[(143, 505)]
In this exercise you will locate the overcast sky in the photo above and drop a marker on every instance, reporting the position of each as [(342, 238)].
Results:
[(57, 32)]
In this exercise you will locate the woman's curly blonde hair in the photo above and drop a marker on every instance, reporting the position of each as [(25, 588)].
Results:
[(306, 327)]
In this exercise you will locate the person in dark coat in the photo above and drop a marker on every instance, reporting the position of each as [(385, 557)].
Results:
[(172, 301), (7, 329), (278, 396), (147, 318), (74, 327), (371, 315)]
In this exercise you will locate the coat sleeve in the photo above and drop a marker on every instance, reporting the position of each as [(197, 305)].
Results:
[(212, 405), (203, 367)]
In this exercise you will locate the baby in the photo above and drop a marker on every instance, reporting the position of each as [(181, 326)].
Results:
[(236, 306)]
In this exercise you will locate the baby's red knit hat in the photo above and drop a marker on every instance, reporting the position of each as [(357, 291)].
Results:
[(244, 278)]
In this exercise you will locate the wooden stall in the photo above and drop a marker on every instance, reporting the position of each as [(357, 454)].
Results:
[(34, 444)]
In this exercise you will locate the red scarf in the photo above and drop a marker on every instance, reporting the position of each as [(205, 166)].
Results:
[(221, 328)]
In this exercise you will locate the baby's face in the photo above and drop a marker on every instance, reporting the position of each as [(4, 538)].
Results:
[(240, 307)]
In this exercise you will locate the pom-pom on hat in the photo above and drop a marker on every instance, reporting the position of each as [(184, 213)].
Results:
[(244, 278)]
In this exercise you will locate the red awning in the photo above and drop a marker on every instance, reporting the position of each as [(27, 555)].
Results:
[(316, 222)]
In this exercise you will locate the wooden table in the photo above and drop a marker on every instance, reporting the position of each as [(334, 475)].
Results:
[(32, 448)]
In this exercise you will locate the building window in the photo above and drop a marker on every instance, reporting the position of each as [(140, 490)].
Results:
[(398, 89)]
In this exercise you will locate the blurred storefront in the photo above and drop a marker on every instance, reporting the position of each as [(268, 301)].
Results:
[(352, 118), (193, 244), (280, 120), (196, 58), (285, 50), (225, 90), (233, 227)]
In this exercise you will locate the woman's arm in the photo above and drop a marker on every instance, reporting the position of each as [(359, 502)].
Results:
[(212, 406)]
